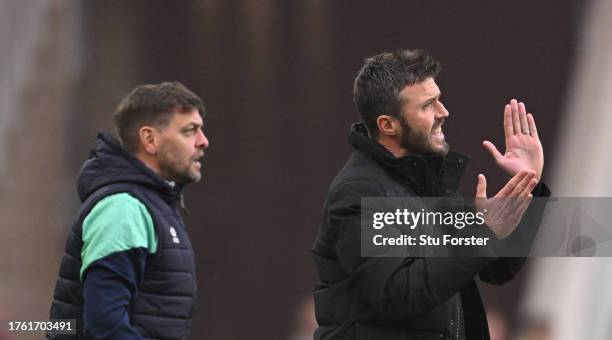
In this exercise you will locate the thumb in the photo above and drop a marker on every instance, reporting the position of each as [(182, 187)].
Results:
[(493, 151), (481, 188)]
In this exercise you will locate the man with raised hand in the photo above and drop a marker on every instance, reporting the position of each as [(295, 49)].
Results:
[(400, 151), (128, 271)]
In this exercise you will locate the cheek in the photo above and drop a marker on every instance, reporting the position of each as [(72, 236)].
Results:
[(185, 150), (430, 119), (425, 121), (173, 153)]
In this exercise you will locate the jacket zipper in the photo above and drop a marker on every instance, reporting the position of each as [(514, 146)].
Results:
[(458, 319)]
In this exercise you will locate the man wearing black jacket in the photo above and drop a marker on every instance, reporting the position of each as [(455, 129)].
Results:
[(400, 151)]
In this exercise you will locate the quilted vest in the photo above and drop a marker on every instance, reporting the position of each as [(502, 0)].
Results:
[(163, 304)]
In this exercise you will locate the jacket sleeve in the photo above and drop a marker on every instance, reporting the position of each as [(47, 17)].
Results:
[(504, 269), (110, 283), (118, 234), (395, 288)]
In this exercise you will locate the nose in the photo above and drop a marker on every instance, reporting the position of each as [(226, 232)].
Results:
[(202, 140), (441, 111)]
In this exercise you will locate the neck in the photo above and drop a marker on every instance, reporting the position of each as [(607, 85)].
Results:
[(150, 162)]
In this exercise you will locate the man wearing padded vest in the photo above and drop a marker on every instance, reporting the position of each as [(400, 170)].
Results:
[(128, 271), (400, 152)]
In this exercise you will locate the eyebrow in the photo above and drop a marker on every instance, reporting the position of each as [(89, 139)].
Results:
[(192, 125), (436, 97)]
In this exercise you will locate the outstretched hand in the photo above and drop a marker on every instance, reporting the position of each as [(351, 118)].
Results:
[(523, 147), (504, 211)]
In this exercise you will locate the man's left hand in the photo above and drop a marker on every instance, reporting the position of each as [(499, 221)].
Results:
[(523, 147)]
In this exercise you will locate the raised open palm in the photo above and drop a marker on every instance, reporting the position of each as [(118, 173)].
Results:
[(523, 146)]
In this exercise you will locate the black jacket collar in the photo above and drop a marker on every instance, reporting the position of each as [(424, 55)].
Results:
[(428, 175)]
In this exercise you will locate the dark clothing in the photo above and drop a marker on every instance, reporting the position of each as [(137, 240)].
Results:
[(396, 298), (130, 294)]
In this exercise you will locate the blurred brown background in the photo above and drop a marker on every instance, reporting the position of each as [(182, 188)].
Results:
[(276, 77)]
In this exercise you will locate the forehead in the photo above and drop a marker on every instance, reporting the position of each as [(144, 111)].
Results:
[(184, 118), (420, 91)]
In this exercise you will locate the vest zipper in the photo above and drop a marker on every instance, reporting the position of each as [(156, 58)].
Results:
[(183, 206)]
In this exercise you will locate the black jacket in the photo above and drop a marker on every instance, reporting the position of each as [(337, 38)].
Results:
[(396, 298), (161, 303)]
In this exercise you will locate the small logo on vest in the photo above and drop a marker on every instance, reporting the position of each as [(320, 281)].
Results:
[(175, 238)]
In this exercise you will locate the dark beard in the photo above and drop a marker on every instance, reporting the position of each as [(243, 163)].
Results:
[(182, 177), (171, 168), (419, 143)]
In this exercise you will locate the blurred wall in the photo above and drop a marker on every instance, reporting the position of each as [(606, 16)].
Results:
[(37, 79), (572, 296)]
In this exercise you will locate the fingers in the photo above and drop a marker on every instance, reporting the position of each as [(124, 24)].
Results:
[(516, 121), (524, 187), (510, 203), (532, 126), (509, 187), (518, 114), (532, 183), (508, 129), (481, 188), (523, 117), (510, 207), (493, 151)]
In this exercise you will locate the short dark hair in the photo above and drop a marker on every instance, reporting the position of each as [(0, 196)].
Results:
[(153, 105), (383, 77)]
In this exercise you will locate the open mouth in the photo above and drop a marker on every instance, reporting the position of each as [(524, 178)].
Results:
[(437, 136), (198, 157), (437, 131), (197, 162)]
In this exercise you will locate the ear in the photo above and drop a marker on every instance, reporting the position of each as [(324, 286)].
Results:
[(149, 139), (387, 125)]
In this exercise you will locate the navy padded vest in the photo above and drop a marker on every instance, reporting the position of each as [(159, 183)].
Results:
[(162, 307)]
